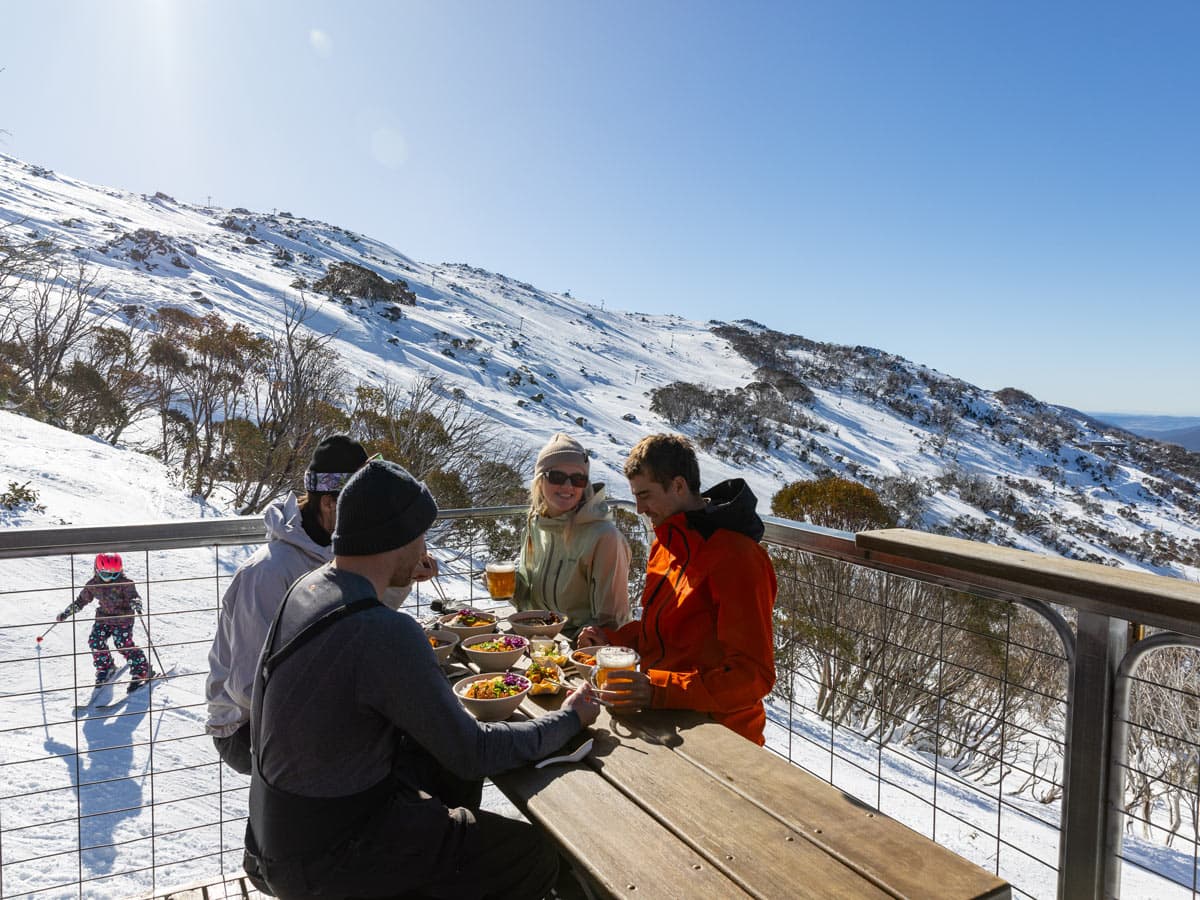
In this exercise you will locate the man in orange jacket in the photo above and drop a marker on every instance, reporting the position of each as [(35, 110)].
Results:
[(705, 636)]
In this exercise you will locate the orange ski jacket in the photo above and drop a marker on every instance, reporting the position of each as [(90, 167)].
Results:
[(705, 636)]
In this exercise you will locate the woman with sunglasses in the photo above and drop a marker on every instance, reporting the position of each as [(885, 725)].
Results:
[(117, 602), (574, 560)]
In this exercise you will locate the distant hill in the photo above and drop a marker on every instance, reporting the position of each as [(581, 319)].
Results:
[(1181, 430), (1188, 438), (947, 456), (1147, 424)]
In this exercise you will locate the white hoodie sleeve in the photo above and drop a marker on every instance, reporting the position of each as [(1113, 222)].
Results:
[(247, 610)]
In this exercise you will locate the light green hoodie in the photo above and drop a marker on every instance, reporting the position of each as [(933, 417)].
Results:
[(577, 565)]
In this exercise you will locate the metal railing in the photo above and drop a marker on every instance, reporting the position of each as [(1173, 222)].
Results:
[(1004, 713), (131, 800), (1007, 705)]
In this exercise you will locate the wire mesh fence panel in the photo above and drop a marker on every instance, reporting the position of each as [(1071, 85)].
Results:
[(1160, 772), (131, 799), (942, 709), (110, 800)]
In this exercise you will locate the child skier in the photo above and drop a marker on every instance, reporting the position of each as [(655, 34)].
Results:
[(117, 602)]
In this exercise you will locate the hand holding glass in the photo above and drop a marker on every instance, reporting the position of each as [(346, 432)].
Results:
[(618, 666)]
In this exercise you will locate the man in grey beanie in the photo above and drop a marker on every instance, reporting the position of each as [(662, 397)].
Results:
[(361, 747)]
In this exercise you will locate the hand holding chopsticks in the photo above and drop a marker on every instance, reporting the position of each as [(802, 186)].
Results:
[(595, 694), (584, 703)]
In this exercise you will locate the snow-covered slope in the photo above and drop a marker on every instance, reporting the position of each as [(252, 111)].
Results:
[(81, 480), (998, 466)]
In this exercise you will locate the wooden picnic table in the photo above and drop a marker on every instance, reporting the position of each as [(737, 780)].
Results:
[(671, 804)]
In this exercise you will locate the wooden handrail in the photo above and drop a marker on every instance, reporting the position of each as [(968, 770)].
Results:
[(1157, 600)]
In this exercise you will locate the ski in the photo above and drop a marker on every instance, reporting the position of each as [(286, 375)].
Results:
[(136, 690), (103, 692)]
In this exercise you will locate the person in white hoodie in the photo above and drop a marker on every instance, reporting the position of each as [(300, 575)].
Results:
[(298, 540)]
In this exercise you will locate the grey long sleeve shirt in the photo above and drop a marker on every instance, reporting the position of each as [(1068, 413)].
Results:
[(336, 713)]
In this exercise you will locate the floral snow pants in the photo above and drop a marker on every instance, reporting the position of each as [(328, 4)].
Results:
[(121, 631)]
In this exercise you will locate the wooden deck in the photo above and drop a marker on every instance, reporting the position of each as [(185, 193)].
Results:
[(229, 888)]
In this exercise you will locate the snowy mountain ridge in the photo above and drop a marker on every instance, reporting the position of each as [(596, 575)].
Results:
[(773, 408)]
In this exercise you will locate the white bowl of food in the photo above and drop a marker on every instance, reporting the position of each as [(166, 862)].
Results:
[(494, 652), (549, 650), (490, 697), (537, 622), (584, 661), (468, 622), (443, 641), (544, 677)]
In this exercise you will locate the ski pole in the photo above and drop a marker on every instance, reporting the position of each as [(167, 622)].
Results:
[(150, 642), (46, 632)]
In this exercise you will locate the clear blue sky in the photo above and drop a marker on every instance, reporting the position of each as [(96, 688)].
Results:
[(1006, 191)]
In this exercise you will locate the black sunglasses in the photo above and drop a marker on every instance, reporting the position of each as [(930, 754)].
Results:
[(556, 477)]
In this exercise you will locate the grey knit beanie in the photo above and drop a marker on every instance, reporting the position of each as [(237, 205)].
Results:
[(561, 448), (381, 508)]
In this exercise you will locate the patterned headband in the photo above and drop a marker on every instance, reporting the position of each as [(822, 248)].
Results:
[(325, 482), (330, 482)]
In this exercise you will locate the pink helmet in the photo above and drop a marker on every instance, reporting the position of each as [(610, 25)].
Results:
[(108, 565)]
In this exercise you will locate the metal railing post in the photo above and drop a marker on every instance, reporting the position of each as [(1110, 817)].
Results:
[(1082, 857)]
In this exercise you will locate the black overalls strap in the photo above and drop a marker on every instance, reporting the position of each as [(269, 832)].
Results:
[(287, 828), (272, 661)]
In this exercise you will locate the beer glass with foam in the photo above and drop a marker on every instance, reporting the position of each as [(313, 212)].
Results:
[(613, 659), (501, 579)]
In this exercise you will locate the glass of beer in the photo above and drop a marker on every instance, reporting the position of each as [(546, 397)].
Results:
[(613, 659), (501, 579)]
